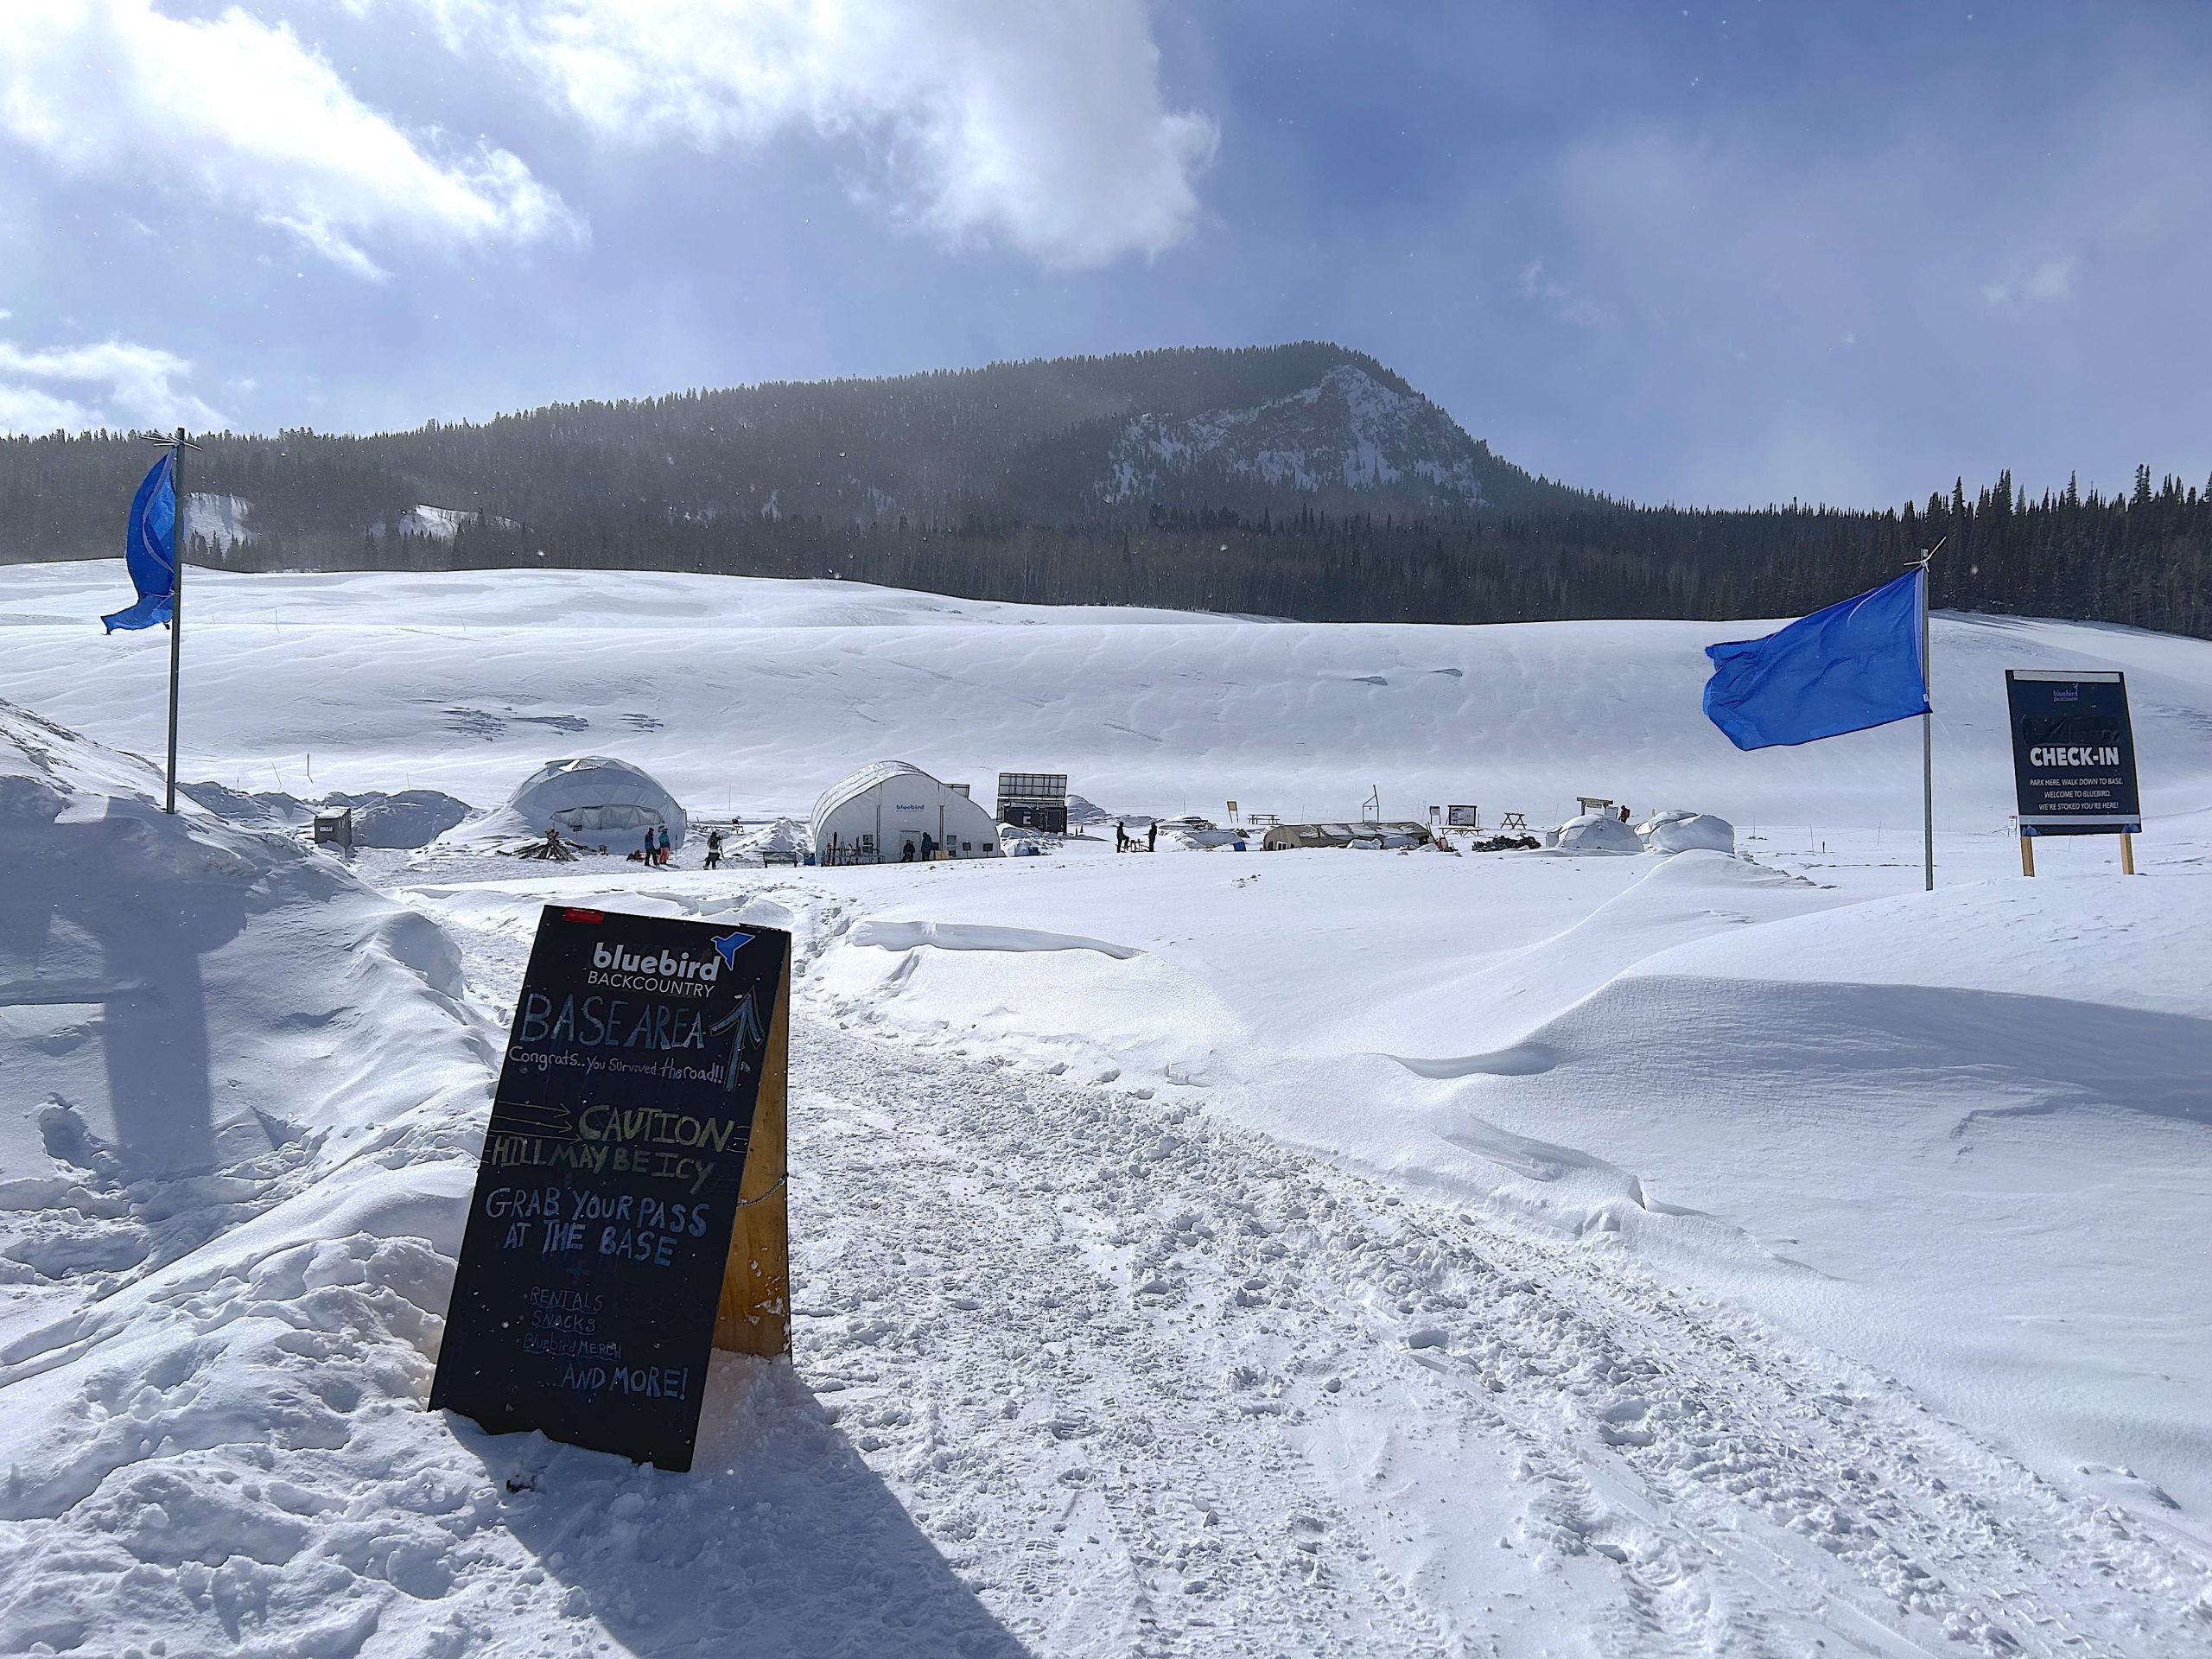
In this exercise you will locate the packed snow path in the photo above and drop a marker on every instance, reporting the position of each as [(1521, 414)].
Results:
[(1185, 1390), (1155, 1384)]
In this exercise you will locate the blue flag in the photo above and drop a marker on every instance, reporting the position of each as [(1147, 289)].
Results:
[(1854, 665), (150, 551)]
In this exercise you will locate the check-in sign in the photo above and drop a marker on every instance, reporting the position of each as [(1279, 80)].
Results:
[(2073, 754)]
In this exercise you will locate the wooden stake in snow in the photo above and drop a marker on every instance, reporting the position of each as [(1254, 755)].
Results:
[(754, 1313)]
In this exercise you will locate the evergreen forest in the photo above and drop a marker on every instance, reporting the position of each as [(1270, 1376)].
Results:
[(988, 483)]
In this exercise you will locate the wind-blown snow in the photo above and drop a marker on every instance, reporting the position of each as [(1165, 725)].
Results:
[(1318, 1252)]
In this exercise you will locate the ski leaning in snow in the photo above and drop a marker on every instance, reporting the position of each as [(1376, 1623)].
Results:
[(591, 1277)]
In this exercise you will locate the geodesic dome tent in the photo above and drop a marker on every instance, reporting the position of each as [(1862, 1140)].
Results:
[(594, 799), (1594, 832)]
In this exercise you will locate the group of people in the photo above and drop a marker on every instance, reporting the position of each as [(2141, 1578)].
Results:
[(928, 849), (1126, 842), (656, 848)]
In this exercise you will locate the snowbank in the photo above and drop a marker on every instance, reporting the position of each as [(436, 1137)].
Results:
[(231, 1174), (784, 838), (413, 817), (1686, 832), (269, 810)]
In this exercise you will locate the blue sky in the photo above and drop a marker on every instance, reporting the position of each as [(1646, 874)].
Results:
[(1722, 254)]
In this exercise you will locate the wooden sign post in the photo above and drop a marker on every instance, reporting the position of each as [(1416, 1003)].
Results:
[(753, 1312), (630, 1207)]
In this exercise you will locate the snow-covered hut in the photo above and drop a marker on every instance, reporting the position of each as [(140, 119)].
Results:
[(594, 799), (879, 813)]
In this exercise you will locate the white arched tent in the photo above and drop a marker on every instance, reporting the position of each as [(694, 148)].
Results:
[(595, 798), (880, 814)]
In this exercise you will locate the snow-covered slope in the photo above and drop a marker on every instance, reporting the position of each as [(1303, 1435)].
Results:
[(226, 1203), (755, 696), (1316, 1252), (222, 521)]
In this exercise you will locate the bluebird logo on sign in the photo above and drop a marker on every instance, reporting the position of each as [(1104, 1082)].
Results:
[(729, 945)]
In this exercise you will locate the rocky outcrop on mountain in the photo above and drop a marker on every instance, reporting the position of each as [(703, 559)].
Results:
[(1349, 437)]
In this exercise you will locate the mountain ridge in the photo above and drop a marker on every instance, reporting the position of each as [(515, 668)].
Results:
[(1050, 440)]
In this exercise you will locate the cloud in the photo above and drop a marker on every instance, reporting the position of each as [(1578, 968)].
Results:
[(1039, 125), (1562, 300), (1735, 264), (2051, 280), (48, 389), (244, 114)]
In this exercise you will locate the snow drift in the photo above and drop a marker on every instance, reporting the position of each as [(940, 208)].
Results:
[(1686, 832), (229, 1183)]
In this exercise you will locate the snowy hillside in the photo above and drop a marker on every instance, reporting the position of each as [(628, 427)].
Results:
[(758, 695), (222, 521), (1348, 432), (1317, 1252)]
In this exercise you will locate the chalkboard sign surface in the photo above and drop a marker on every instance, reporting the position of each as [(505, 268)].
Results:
[(2073, 754), (584, 1304)]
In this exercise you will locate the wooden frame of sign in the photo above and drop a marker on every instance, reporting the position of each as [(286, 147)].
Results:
[(754, 1313)]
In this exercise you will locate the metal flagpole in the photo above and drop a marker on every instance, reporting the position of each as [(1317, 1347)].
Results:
[(1927, 729), (180, 539)]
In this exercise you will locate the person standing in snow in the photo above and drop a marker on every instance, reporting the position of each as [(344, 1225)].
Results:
[(647, 855), (1151, 838), (714, 848), (1121, 836), (664, 846)]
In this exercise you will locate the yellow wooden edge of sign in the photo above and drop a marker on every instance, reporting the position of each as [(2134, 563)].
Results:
[(754, 1316)]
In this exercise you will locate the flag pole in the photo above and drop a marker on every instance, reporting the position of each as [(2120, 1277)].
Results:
[(182, 534), (180, 539), (1927, 729)]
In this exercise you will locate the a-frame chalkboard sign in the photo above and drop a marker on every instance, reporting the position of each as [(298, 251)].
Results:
[(629, 1208)]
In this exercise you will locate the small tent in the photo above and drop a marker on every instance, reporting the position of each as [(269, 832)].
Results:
[(1593, 832), (594, 799), (879, 813)]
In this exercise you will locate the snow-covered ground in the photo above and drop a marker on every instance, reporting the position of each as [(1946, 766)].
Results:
[(1201, 1253)]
